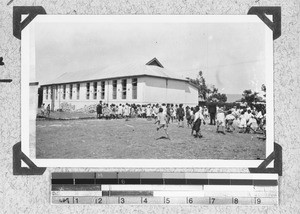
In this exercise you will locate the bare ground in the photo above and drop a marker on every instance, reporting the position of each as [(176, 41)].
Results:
[(136, 139)]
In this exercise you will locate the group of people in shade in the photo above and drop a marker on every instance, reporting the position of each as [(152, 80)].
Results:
[(45, 111), (246, 119)]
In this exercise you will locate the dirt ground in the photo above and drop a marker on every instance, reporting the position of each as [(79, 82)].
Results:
[(136, 139)]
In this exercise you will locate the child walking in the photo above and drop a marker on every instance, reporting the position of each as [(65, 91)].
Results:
[(162, 123)]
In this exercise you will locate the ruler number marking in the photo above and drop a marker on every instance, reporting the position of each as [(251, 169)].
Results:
[(190, 200), (122, 200), (213, 200), (145, 201), (98, 200), (235, 200), (258, 201), (63, 200), (167, 200)]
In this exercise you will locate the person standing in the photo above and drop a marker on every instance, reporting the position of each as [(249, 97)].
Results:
[(168, 111), (126, 112), (212, 109), (162, 123), (180, 115), (48, 110), (43, 109), (221, 120), (198, 117), (188, 116), (99, 110)]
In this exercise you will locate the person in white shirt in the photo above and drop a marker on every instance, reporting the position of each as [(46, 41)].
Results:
[(126, 111), (162, 123), (220, 120), (243, 122), (229, 122), (148, 112)]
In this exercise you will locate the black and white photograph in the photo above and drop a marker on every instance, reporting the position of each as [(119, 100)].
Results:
[(148, 88)]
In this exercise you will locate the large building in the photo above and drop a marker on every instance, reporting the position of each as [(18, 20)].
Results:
[(130, 83)]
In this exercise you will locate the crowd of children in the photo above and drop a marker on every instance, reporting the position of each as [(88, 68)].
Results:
[(245, 119)]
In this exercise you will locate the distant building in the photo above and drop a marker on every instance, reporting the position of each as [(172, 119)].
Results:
[(130, 83)]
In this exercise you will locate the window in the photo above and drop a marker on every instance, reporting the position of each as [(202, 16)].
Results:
[(124, 89), (71, 91), (47, 93), (134, 88), (102, 89), (78, 91), (95, 90), (114, 89), (88, 91), (64, 92), (56, 91)]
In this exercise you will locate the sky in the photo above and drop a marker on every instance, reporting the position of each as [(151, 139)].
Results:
[(230, 55)]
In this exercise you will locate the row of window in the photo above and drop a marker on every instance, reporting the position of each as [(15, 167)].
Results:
[(94, 92)]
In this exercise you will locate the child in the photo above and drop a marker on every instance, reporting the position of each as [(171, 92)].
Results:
[(106, 112), (243, 122), (43, 109), (155, 111), (180, 115), (148, 112), (48, 110), (198, 116), (205, 113), (168, 113), (229, 121), (120, 111), (192, 113), (188, 115), (162, 122), (175, 112), (126, 111), (220, 120)]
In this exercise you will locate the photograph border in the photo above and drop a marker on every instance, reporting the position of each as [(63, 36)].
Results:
[(28, 63)]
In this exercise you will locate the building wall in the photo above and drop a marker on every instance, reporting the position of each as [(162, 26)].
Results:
[(158, 90), (149, 90), (75, 103)]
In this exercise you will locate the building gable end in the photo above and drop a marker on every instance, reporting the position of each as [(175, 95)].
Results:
[(154, 62)]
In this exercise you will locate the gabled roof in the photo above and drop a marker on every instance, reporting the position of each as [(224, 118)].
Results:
[(155, 62), (152, 68)]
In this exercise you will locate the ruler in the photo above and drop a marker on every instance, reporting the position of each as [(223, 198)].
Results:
[(164, 188)]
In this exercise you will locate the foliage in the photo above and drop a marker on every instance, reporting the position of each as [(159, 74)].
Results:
[(250, 97), (201, 84), (205, 92), (263, 88), (214, 95), (226, 106)]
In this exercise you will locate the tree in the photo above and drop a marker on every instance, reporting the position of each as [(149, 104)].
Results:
[(205, 92), (263, 88), (201, 84), (250, 97), (215, 95), (218, 97)]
